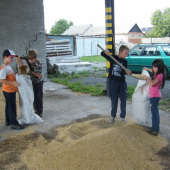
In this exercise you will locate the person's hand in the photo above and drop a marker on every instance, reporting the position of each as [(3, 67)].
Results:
[(15, 83), (144, 68), (106, 52), (128, 72), (146, 78)]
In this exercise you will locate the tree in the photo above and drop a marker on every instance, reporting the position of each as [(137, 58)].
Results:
[(161, 23), (60, 26)]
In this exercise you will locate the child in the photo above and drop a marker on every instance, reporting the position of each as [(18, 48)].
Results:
[(36, 77), (118, 84), (156, 82), (9, 87)]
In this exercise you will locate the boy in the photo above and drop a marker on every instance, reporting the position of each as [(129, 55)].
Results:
[(118, 84), (9, 87), (36, 77)]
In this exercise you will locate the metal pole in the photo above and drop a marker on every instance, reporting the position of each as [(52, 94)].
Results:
[(110, 35)]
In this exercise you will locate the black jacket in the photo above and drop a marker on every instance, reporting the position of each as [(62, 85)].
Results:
[(116, 72)]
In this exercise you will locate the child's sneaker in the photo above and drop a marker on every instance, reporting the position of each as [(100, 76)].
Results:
[(17, 127), (123, 120), (153, 133), (112, 119)]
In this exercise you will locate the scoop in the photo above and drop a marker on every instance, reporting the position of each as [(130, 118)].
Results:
[(137, 76)]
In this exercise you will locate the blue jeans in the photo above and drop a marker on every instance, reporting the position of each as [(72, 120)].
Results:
[(155, 113), (10, 108), (118, 88)]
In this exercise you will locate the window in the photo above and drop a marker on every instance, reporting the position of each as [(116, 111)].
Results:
[(136, 51), (151, 51), (166, 50)]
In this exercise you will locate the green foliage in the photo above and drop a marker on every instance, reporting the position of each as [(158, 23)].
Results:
[(80, 87), (130, 90), (60, 26), (97, 58), (160, 20)]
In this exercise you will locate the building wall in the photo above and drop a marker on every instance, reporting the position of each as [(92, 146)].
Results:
[(135, 37), (87, 46), (122, 37), (22, 27)]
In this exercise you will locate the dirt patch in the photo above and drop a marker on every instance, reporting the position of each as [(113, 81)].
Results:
[(164, 154)]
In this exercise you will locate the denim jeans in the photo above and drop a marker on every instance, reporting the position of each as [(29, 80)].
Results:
[(10, 108), (155, 113), (118, 89)]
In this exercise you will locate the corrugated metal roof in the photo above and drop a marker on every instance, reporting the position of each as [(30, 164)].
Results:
[(95, 31), (89, 30), (78, 29)]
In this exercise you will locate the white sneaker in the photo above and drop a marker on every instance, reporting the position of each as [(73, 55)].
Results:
[(123, 120), (112, 119)]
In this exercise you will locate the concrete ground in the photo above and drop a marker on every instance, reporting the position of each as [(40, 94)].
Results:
[(62, 106)]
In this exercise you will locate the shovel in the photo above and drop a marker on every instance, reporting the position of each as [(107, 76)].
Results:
[(137, 76)]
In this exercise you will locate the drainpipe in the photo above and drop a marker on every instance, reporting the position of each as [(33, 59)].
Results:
[(110, 35)]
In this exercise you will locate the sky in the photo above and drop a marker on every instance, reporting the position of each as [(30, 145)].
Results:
[(83, 12)]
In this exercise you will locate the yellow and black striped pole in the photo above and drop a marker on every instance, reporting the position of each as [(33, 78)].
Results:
[(110, 35)]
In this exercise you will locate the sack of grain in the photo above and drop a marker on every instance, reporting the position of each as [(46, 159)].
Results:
[(140, 103), (26, 98)]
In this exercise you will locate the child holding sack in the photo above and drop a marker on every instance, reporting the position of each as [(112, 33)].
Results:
[(156, 82), (9, 88), (36, 77)]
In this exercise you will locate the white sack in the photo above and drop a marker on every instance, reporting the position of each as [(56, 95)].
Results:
[(26, 98), (140, 103)]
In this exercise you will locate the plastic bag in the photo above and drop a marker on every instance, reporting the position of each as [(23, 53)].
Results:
[(26, 98), (140, 103)]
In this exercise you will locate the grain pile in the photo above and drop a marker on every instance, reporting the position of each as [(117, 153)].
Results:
[(94, 144)]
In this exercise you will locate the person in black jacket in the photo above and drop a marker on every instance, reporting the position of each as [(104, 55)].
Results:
[(118, 84)]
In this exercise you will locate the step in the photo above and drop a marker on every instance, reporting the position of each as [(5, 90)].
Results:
[(63, 59), (73, 67)]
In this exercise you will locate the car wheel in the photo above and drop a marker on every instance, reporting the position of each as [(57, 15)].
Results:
[(166, 73)]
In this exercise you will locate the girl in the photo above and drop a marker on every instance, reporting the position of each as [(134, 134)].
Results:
[(156, 82)]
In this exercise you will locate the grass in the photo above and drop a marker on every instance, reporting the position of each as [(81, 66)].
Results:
[(164, 105), (97, 58), (78, 86), (130, 90)]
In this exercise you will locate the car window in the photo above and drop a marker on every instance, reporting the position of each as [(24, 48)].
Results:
[(151, 51), (136, 51), (166, 50)]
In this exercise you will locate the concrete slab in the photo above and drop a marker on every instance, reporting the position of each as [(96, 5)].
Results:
[(73, 67), (62, 106)]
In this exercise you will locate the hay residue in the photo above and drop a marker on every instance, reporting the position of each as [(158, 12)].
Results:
[(97, 145)]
